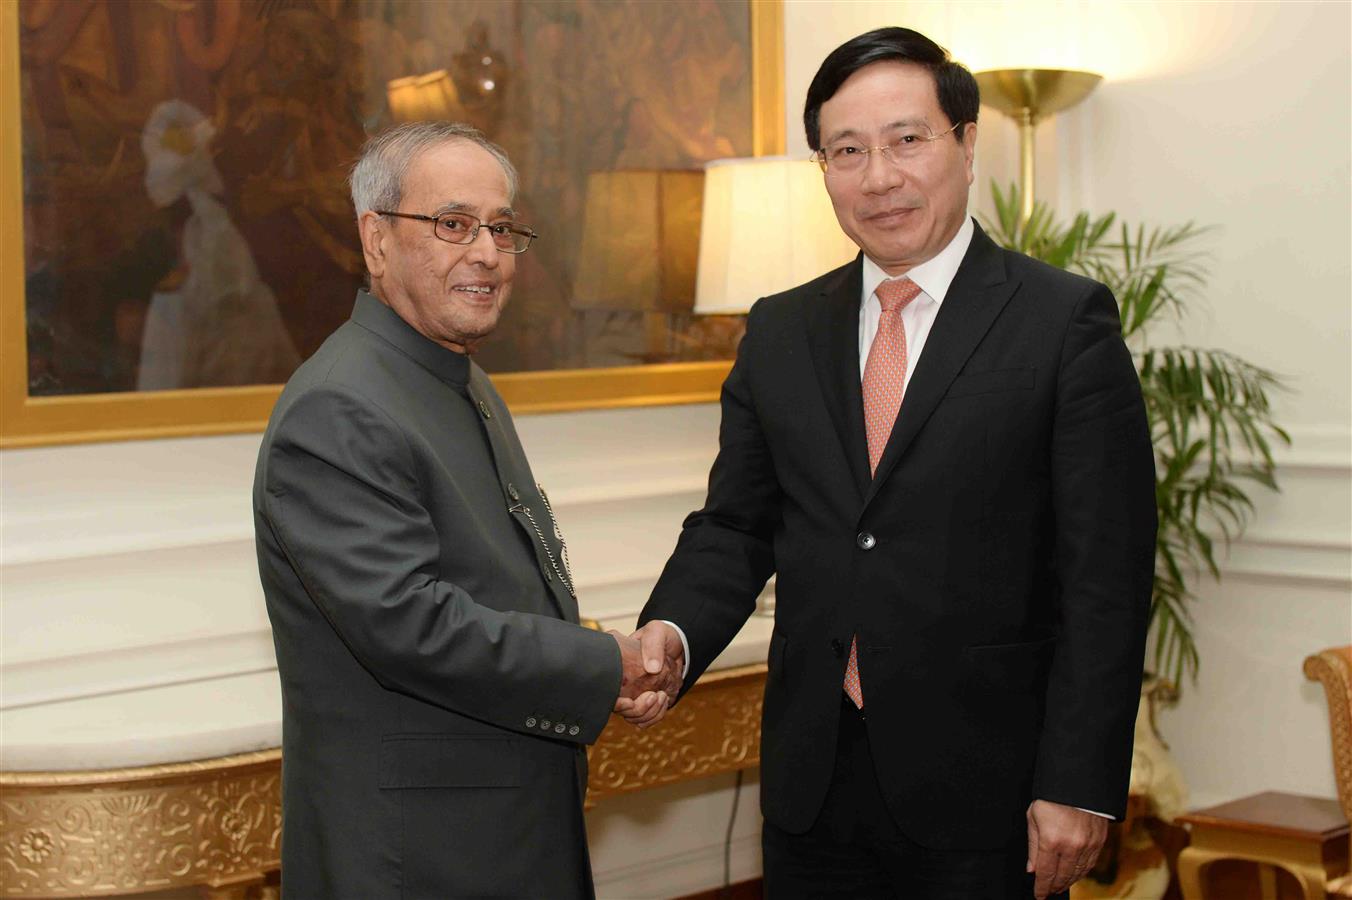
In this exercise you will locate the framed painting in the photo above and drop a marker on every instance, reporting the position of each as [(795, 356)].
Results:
[(175, 227)]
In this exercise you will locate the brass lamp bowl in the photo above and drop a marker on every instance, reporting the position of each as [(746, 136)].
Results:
[(1034, 93), (1027, 96)]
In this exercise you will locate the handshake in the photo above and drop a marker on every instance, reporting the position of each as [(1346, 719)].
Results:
[(653, 667)]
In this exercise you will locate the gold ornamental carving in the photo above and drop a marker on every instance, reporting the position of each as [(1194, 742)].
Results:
[(216, 823), (116, 831), (714, 729)]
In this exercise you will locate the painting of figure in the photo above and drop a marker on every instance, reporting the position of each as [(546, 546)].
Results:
[(185, 212)]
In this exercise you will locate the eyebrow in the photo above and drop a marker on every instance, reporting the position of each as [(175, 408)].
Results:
[(457, 206), (854, 132)]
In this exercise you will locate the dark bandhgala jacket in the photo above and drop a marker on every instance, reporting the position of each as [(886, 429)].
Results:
[(437, 690), (997, 569)]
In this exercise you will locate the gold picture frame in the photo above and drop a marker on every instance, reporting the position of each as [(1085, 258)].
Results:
[(27, 421)]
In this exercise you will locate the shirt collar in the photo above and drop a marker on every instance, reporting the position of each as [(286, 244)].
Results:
[(934, 275)]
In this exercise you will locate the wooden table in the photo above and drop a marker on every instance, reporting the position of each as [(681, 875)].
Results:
[(1305, 836)]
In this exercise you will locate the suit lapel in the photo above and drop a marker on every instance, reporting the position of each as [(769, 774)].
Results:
[(979, 292), (833, 336)]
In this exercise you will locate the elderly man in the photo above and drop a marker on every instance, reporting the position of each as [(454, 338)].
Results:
[(437, 689), (941, 449)]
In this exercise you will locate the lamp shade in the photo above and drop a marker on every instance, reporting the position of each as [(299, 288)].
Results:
[(423, 98), (640, 239), (768, 226)]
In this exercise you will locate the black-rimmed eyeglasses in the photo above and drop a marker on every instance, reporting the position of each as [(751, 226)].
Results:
[(462, 228)]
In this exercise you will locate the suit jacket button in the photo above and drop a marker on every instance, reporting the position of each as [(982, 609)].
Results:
[(866, 541), (545, 724), (560, 728), (484, 411), (574, 731), (530, 721), (837, 647)]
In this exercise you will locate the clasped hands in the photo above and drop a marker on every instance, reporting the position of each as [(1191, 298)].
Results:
[(653, 664)]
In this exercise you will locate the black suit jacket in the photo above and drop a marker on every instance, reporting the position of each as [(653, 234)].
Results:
[(997, 570), (436, 687)]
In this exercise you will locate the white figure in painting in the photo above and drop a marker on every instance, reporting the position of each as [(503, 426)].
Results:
[(219, 325)]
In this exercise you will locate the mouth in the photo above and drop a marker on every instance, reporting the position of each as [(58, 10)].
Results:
[(889, 216), (476, 291)]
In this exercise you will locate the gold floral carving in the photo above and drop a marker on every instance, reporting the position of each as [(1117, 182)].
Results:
[(715, 728), (89, 834), (217, 823)]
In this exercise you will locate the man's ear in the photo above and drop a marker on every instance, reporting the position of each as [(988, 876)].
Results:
[(969, 149), (374, 233)]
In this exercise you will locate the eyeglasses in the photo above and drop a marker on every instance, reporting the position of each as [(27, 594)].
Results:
[(850, 157), (462, 228)]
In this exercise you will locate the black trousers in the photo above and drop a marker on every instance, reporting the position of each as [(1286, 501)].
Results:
[(855, 849)]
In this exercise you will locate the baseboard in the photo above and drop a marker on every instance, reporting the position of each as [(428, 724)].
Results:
[(683, 874)]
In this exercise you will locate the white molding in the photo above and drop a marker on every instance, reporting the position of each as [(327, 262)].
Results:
[(1306, 559), (604, 503), (178, 526), (682, 873), (1317, 448), (118, 670), (55, 544), (43, 534)]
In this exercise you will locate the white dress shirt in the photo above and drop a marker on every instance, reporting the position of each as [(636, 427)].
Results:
[(932, 277)]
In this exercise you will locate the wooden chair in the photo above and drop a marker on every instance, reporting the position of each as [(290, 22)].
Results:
[(1306, 837), (1333, 669)]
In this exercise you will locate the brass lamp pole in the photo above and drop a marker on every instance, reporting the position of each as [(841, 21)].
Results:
[(1028, 96)]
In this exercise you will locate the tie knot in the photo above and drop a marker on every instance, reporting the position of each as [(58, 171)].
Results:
[(898, 292)]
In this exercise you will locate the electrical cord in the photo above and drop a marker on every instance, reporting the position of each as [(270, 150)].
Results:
[(725, 893)]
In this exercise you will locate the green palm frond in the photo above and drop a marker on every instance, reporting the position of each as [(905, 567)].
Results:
[(1210, 411)]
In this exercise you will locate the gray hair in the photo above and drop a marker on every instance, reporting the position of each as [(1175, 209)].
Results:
[(377, 180)]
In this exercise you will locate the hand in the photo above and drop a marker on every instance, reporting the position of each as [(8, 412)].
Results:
[(662, 648), (1063, 845), (662, 651), (638, 678), (647, 709)]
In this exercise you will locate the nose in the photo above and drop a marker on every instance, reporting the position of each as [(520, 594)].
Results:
[(482, 250), (881, 174)]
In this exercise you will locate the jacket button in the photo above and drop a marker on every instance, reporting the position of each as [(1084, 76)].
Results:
[(866, 541), (560, 728), (483, 410), (574, 731), (513, 492), (545, 724), (530, 721), (837, 647)]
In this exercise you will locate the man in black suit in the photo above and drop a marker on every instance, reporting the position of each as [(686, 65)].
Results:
[(437, 689), (941, 451)]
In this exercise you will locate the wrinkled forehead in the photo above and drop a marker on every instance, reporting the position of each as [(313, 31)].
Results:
[(457, 171)]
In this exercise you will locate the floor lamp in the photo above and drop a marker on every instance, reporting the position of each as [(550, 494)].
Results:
[(1028, 96)]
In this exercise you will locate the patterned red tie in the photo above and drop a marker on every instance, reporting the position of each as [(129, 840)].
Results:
[(884, 381)]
